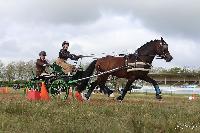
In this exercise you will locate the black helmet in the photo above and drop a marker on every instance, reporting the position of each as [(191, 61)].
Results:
[(42, 53), (65, 42)]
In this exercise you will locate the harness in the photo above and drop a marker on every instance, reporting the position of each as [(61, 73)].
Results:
[(137, 65)]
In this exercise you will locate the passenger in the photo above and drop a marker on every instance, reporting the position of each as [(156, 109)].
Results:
[(41, 64)]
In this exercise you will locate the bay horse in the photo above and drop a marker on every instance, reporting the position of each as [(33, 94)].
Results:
[(132, 67)]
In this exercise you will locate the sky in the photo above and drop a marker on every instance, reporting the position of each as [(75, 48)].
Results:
[(99, 26)]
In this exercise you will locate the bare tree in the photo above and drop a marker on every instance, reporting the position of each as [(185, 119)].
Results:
[(2, 70), (20, 70), (10, 71), (29, 70)]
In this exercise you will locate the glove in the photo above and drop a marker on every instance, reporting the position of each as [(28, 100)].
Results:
[(77, 57), (45, 65), (49, 65)]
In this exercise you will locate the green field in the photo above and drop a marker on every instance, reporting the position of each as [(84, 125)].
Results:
[(137, 113)]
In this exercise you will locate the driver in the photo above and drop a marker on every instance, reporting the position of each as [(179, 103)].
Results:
[(64, 54)]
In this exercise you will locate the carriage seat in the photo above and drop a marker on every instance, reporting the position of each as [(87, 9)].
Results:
[(43, 76), (57, 69)]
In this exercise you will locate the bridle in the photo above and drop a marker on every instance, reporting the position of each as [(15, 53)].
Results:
[(160, 49), (159, 52)]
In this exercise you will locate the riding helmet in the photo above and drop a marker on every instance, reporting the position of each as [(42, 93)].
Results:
[(42, 53), (65, 42)]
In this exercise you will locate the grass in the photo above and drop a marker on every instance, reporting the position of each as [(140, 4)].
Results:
[(137, 113)]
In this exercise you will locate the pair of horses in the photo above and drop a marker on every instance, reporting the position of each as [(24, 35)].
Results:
[(132, 67)]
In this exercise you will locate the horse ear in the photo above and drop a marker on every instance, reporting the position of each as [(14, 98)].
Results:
[(161, 39)]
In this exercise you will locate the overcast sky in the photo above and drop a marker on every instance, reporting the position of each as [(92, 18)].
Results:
[(99, 26)]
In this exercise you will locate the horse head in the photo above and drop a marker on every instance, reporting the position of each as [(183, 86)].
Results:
[(162, 51)]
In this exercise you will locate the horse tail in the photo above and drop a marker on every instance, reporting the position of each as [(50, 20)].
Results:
[(88, 72)]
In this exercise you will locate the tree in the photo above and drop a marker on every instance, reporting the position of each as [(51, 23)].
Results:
[(29, 69), (20, 70), (176, 70), (10, 71), (2, 70)]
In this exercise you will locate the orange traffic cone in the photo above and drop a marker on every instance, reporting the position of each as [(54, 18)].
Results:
[(27, 91), (33, 95), (2, 90), (6, 90), (70, 92), (44, 94), (78, 96)]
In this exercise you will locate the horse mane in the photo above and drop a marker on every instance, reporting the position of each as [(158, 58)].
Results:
[(147, 44)]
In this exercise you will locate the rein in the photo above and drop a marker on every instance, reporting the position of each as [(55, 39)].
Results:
[(102, 73)]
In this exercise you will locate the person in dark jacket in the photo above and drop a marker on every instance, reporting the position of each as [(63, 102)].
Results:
[(64, 54), (41, 64)]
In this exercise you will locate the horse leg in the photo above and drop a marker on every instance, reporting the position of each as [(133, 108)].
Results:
[(106, 90), (155, 84), (127, 88), (89, 92), (100, 81), (103, 87)]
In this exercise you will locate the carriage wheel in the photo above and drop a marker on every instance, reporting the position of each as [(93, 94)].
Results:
[(59, 86)]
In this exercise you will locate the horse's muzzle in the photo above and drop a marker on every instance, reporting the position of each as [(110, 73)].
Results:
[(168, 58)]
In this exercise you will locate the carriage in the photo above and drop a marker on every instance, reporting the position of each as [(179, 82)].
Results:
[(56, 82)]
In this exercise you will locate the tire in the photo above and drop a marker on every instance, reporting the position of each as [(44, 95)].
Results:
[(57, 87)]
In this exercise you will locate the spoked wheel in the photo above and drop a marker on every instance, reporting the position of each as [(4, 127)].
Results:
[(57, 87)]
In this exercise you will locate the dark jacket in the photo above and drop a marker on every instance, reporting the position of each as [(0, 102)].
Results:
[(64, 54), (40, 68)]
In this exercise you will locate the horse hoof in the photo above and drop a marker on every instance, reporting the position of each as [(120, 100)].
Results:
[(119, 98), (158, 96), (87, 98), (111, 95), (84, 96)]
